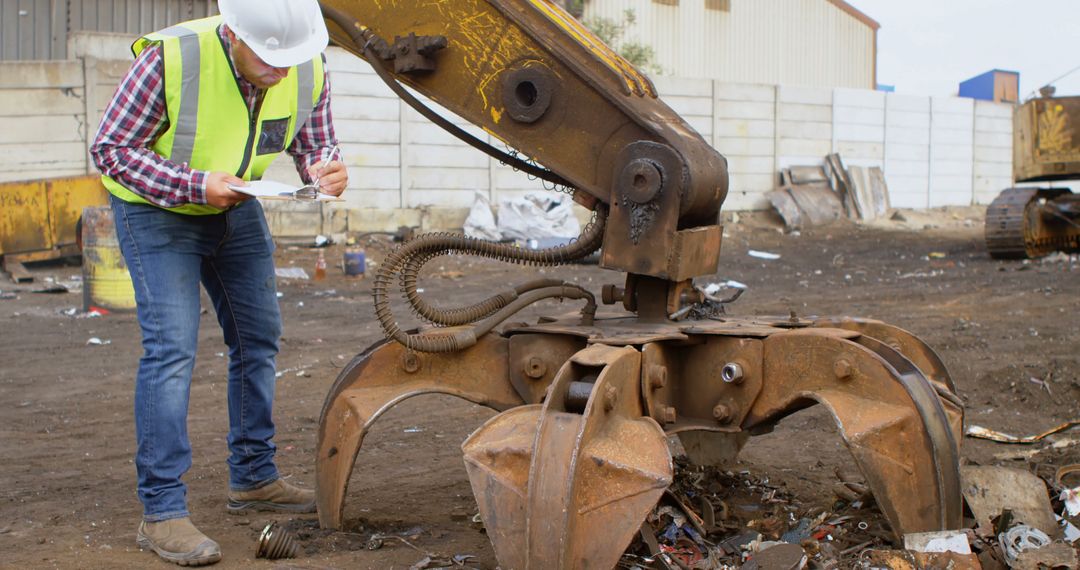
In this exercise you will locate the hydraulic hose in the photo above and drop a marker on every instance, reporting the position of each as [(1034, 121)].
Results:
[(408, 259)]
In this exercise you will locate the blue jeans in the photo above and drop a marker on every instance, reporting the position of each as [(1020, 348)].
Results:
[(168, 255)]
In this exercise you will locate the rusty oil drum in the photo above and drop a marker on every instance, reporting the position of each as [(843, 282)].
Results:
[(106, 281)]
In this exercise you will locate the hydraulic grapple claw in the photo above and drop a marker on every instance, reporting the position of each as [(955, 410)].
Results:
[(566, 484)]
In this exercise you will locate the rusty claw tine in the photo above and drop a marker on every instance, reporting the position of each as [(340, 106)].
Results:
[(384, 375), (902, 436)]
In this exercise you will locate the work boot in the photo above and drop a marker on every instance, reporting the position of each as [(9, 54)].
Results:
[(278, 496), (179, 542)]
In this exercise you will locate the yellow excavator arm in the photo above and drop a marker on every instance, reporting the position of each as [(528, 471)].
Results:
[(534, 77)]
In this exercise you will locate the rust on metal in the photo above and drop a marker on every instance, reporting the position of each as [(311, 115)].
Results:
[(566, 473), (901, 427), (569, 483), (1033, 222), (106, 279), (38, 218), (375, 381)]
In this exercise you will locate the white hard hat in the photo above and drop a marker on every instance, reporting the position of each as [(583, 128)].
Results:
[(283, 33)]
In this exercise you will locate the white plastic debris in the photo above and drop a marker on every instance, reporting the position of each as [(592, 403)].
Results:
[(763, 254), (97, 341), (481, 221), (1020, 538), (321, 240), (943, 541), (714, 288), (1071, 498), (538, 215), (1070, 531), (291, 273)]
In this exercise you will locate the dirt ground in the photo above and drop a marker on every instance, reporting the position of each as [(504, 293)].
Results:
[(1008, 332)]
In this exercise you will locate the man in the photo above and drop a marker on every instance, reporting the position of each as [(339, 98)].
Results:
[(206, 106)]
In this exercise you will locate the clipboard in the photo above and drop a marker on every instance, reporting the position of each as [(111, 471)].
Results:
[(270, 190)]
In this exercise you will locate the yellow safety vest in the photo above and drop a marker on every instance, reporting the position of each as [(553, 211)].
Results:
[(210, 126)]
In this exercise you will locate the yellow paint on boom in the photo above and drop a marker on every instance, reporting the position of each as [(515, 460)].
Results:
[(635, 82)]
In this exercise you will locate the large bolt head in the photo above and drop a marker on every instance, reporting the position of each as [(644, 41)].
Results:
[(732, 373), (611, 294), (611, 395), (657, 376), (410, 361), (535, 368), (843, 369), (669, 415), (723, 413), (641, 180)]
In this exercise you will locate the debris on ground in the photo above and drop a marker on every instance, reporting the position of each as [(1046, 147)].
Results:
[(908, 560), (291, 273), (715, 519), (763, 254), (1056, 556), (816, 195), (480, 222), (806, 197), (276, 542), (993, 435), (989, 490), (1019, 539), (712, 519), (538, 215), (940, 541), (1070, 496), (51, 289)]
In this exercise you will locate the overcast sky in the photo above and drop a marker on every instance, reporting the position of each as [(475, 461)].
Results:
[(927, 47)]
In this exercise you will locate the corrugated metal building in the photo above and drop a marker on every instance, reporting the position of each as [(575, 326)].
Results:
[(814, 43), (38, 29)]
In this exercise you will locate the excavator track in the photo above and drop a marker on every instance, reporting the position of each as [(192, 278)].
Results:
[(1016, 229)]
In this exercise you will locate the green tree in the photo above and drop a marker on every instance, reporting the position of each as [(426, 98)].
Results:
[(613, 33)]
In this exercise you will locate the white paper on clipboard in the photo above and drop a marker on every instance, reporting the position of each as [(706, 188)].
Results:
[(276, 191)]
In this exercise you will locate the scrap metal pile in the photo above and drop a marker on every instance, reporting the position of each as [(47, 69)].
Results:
[(716, 519), (815, 195), (712, 518)]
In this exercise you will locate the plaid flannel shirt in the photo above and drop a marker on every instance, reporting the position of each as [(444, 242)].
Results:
[(136, 117)]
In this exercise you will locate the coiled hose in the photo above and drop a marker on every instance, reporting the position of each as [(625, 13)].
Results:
[(407, 260)]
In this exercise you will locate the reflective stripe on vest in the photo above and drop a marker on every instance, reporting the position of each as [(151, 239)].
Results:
[(210, 126), (184, 137)]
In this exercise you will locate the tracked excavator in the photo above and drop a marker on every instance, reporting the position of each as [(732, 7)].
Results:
[(566, 474), (1031, 222)]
